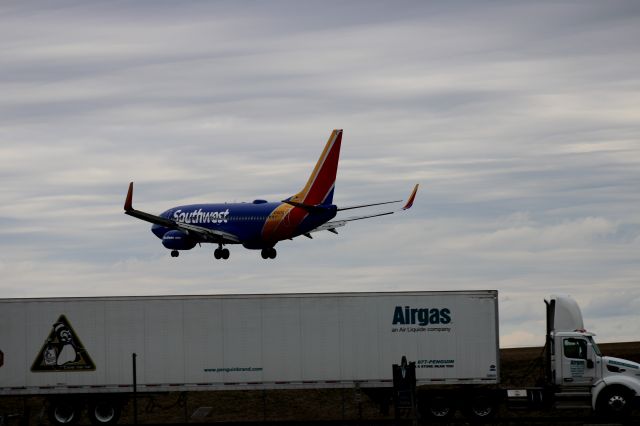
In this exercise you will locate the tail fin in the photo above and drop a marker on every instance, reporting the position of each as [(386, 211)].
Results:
[(321, 183)]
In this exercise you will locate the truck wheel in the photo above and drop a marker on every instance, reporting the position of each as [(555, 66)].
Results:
[(63, 412), (439, 407), (480, 407), (614, 402), (104, 412)]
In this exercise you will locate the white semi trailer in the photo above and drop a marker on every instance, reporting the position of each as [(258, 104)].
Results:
[(78, 351)]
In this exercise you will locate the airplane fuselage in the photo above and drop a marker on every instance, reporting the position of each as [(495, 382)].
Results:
[(257, 225)]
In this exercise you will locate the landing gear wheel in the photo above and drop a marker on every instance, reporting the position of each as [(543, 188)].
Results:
[(221, 253), (269, 253), (175, 253)]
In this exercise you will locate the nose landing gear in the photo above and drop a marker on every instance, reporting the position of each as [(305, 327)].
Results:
[(269, 253), (175, 253)]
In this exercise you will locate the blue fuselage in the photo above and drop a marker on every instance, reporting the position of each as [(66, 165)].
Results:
[(256, 225)]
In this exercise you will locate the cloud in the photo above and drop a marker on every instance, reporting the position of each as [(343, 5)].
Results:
[(519, 121)]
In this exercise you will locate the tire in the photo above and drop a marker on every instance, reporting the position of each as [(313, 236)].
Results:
[(63, 412), (480, 407), (438, 406), (614, 402), (104, 412), (225, 254)]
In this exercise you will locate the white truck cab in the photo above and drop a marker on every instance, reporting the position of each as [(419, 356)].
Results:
[(575, 363)]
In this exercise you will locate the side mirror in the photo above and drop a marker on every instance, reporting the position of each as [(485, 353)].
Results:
[(589, 363)]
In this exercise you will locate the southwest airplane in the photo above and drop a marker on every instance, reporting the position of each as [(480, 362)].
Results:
[(259, 225)]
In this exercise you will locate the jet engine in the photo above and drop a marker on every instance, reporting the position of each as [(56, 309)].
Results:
[(177, 240)]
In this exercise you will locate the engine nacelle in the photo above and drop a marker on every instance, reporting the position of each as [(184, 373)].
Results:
[(177, 240)]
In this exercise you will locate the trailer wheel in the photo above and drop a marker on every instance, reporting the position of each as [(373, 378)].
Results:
[(480, 407), (439, 406), (63, 412), (104, 412), (614, 402)]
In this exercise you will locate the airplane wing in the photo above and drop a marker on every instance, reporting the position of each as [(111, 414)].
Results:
[(331, 226), (199, 233), (206, 234)]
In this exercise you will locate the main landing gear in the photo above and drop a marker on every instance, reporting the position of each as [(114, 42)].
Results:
[(175, 253), (221, 253), (269, 253)]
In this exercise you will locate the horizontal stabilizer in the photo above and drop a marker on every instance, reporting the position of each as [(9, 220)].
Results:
[(331, 226), (368, 205), (307, 207)]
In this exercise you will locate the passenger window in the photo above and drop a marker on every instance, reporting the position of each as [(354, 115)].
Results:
[(575, 348)]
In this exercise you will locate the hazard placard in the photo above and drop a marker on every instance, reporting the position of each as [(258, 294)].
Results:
[(63, 350)]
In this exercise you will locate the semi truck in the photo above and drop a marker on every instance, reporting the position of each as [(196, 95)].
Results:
[(78, 352)]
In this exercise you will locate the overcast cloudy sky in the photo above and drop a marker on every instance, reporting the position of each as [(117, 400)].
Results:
[(520, 120)]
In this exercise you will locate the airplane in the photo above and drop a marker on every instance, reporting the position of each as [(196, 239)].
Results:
[(259, 225)]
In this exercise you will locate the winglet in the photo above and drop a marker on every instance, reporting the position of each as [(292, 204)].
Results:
[(129, 200), (411, 198)]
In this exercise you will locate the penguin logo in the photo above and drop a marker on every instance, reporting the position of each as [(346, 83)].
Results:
[(62, 351)]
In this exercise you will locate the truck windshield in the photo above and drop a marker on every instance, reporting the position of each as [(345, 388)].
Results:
[(595, 347)]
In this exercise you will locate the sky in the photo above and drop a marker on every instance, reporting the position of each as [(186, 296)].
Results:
[(520, 121)]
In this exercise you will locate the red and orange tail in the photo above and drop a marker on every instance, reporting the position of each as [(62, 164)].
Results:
[(320, 186)]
